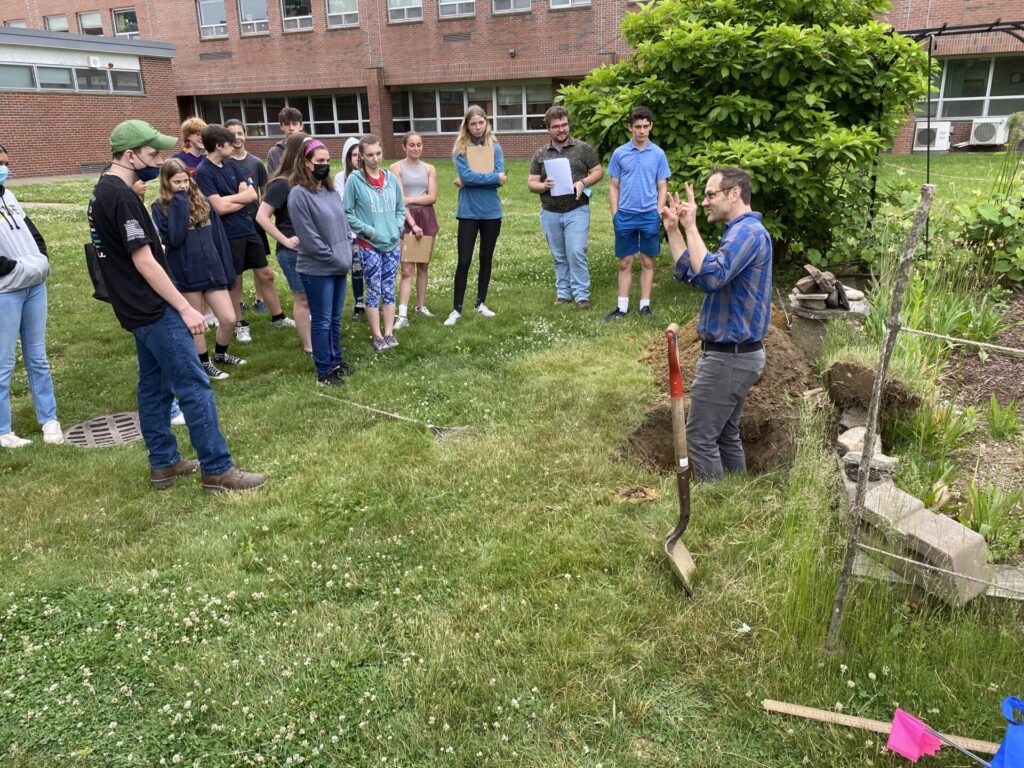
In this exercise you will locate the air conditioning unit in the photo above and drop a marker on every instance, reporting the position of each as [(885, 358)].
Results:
[(934, 137), (988, 132)]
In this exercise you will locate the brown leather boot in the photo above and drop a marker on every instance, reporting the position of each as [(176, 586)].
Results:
[(233, 480), (165, 477)]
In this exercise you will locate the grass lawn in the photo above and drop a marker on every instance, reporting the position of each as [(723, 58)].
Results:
[(391, 599)]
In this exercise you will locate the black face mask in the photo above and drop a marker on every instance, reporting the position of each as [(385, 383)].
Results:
[(321, 171)]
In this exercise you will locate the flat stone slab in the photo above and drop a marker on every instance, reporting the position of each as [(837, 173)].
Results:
[(879, 467), (852, 294), (812, 305), (886, 506), (942, 541), (1008, 581), (853, 440), (809, 296), (858, 309)]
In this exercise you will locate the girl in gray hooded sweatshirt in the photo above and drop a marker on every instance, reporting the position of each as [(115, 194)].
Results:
[(23, 270)]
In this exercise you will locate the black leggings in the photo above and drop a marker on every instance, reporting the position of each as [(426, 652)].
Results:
[(468, 228)]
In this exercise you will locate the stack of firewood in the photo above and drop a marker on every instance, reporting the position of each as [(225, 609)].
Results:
[(821, 290)]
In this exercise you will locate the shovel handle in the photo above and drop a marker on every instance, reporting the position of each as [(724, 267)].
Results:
[(675, 390)]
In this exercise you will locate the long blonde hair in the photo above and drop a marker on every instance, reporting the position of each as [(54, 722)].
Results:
[(464, 138), (198, 207)]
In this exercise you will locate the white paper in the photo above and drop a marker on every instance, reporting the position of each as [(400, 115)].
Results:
[(558, 168)]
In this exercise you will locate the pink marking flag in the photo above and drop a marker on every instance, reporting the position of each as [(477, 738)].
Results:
[(911, 738)]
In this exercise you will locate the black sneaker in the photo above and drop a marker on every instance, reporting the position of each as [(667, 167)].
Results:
[(213, 372), (344, 370), (646, 311), (358, 312), (226, 358), (615, 314), (330, 379)]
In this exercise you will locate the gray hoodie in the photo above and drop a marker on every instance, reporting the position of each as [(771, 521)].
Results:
[(18, 245), (324, 241)]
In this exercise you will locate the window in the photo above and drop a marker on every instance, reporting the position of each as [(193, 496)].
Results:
[(212, 19), (252, 15), (985, 87), (55, 78), (126, 23), (342, 13), (568, 3), (449, 8), (296, 15), (56, 23), (92, 79), (18, 76), (509, 6), (338, 114), (405, 10), (90, 23), (125, 81), (15, 23), (513, 106)]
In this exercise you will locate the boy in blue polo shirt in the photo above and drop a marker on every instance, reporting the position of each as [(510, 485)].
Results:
[(639, 187)]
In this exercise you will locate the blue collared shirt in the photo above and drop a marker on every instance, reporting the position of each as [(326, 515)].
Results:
[(638, 171), (737, 282)]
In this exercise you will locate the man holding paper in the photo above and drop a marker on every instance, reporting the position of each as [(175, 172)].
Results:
[(562, 173)]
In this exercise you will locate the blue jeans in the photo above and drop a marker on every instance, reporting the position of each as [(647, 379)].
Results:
[(23, 313), (567, 235), (326, 297), (168, 363)]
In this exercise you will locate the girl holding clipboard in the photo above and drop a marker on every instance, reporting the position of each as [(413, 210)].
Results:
[(419, 188), (481, 170)]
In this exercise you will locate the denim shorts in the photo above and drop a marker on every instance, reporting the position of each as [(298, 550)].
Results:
[(287, 258), (637, 233)]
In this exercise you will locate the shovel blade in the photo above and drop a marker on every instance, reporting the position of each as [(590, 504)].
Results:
[(682, 563)]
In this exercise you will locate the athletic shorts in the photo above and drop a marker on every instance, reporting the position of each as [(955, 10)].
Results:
[(247, 253), (637, 233)]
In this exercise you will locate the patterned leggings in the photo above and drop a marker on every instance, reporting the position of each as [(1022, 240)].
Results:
[(379, 271)]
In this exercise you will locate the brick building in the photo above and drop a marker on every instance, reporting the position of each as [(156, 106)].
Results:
[(60, 94), (388, 66)]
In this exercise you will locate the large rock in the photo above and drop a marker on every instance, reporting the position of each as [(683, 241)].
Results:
[(853, 416), (853, 440), (885, 506), (880, 466)]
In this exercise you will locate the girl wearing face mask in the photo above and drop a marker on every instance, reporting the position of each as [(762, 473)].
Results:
[(419, 185), (349, 165), (325, 256), (23, 271), (479, 209), (198, 258), (376, 214)]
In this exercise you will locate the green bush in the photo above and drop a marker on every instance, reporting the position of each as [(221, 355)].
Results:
[(803, 95), (996, 515)]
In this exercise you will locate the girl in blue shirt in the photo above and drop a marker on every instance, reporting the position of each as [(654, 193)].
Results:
[(479, 208)]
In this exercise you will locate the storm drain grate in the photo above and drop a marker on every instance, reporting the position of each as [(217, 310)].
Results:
[(105, 431)]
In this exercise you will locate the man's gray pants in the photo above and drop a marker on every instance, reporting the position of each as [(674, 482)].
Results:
[(719, 390)]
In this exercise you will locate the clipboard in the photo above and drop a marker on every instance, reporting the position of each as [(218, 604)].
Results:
[(481, 158), (417, 251)]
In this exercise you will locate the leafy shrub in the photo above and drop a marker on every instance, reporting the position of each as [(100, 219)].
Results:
[(995, 228), (996, 515)]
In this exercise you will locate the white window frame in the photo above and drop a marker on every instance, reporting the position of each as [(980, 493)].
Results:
[(249, 26), (216, 30), (514, 6), (107, 73), (455, 9), (297, 23), (406, 11), (19, 23), (559, 4), (987, 101), (417, 124), (269, 126), (333, 22), (47, 20), (99, 18), (113, 20)]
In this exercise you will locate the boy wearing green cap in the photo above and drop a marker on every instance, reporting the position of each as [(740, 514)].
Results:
[(149, 307)]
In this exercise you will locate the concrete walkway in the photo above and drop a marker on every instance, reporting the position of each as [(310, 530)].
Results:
[(17, 181)]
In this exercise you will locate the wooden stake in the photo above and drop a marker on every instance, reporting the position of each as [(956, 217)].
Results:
[(888, 345)]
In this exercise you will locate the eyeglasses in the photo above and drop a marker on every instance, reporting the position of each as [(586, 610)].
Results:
[(711, 195)]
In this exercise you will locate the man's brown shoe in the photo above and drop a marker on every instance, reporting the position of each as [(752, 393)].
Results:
[(583, 304), (165, 477), (233, 480)]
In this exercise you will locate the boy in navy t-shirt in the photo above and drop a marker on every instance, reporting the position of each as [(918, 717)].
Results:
[(230, 190)]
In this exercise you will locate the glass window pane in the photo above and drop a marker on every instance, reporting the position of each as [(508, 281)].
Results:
[(1008, 77), (424, 104), (55, 77), (364, 111), (212, 18), (16, 23), (510, 100), (90, 23), (348, 106), (405, 10), (125, 21), (92, 79), (966, 77), (480, 97), (209, 110), (342, 12), (968, 108), (508, 124), (56, 23), (126, 81), (16, 76), (292, 8), (232, 109), (1005, 107)]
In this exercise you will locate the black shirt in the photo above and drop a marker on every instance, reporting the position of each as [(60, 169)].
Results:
[(223, 180), (120, 224), (277, 198)]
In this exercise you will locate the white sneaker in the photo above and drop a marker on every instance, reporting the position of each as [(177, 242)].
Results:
[(11, 440), (284, 322), (242, 334), (453, 318), (424, 311), (178, 419), (483, 310), (401, 321), (52, 433), (211, 320)]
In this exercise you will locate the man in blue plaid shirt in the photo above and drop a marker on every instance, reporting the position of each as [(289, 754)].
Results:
[(737, 284)]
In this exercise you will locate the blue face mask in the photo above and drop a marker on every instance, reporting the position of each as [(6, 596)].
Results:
[(146, 172), (4, 173)]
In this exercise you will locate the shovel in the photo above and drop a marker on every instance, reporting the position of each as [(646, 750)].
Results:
[(676, 552)]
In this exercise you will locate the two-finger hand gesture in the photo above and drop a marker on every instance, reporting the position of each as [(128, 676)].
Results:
[(687, 211)]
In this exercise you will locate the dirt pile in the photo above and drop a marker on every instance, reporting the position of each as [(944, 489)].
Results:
[(850, 383), (769, 415)]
